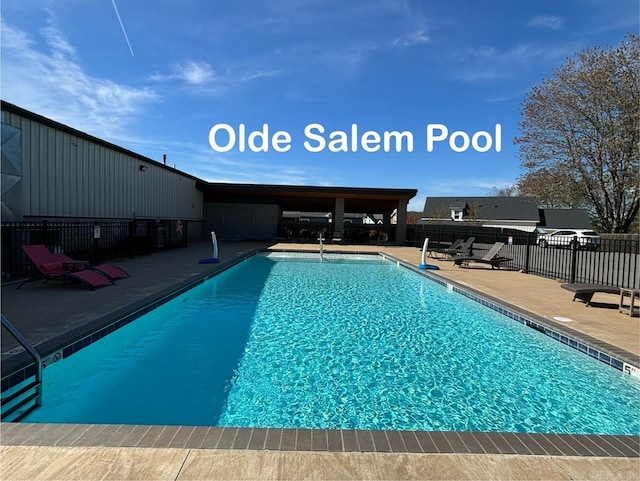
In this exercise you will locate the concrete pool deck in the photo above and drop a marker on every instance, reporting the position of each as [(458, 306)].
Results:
[(45, 311)]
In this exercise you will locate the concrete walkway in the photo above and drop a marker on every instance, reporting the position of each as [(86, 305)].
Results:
[(57, 463), (45, 311)]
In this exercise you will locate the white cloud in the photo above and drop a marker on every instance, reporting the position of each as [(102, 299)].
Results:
[(489, 63), (213, 168), (55, 85), (202, 75), (190, 72), (552, 22), (194, 73), (341, 34), (412, 38), (445, 187)]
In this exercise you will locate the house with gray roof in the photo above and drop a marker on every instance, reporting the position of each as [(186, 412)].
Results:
[(521, 213)]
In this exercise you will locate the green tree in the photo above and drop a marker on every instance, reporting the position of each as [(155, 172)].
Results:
[(581, 133)]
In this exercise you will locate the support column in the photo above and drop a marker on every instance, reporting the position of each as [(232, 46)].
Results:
[(338, 216), (401, 226)]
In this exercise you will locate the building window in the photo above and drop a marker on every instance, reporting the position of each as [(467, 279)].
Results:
[(456, 214)]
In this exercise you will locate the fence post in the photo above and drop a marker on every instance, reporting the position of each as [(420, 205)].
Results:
[(130, 240), (574, 259), (527, 254), (44, 233)]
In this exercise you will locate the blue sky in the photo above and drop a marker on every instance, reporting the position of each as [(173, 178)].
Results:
[(156, 76)]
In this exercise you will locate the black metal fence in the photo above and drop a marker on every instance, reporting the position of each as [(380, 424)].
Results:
[(615, 261), (350, 233), (95, 241)]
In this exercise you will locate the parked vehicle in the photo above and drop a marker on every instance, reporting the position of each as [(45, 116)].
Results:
[(583, 238)]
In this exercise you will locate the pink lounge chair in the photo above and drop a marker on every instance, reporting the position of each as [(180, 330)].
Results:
[(56, 270), (60, 266), (39, 254), (111, 272)]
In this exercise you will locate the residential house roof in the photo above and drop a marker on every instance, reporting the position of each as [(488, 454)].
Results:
[(565, 219), (483, 208)]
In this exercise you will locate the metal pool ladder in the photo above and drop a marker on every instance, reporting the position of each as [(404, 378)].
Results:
[(28, 398)]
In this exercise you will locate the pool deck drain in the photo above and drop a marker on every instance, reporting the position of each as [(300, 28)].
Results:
[(612, 455)]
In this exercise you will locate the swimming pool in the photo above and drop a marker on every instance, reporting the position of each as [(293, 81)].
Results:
[(347, 343)]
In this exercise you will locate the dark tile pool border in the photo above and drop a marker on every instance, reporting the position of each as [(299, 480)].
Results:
[(328, 440), (282, 439)]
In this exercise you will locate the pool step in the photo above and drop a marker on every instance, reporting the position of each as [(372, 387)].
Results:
[(33, 397), (26, 399)]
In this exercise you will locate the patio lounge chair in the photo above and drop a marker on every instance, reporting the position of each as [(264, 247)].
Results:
[(112, 272), (109, 270), (585, 292), (491, 257), (39, 254), (458, 248), (59, 266), (456, 243), (56, 270)]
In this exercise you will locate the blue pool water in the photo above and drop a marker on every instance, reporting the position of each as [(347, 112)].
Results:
[(349, 344)]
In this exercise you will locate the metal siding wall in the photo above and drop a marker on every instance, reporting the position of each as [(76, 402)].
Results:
[(67, 176)]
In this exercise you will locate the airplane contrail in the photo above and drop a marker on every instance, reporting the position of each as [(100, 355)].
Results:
[(122, 26)]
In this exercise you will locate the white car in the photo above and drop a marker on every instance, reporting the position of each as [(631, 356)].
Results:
[(567, 237)]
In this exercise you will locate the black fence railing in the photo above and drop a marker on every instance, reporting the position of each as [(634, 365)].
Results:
[(610, 261), (349, 234), (94, 241)]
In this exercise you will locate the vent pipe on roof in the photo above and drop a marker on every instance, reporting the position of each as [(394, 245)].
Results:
[(164, 159)]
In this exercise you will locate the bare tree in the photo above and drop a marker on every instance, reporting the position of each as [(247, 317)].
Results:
[(473, 211), (506, 191), (552, 189), (581, 130), (439, 213)]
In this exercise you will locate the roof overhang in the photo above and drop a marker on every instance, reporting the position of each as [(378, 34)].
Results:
[(307, 198)]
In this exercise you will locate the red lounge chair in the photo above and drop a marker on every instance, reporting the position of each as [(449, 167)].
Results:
[(56, 270), (39, 254), (59, 266), (111, 272)]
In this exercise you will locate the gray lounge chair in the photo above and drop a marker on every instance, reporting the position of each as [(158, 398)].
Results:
[(585, 292), (491, 257), (459, 247)]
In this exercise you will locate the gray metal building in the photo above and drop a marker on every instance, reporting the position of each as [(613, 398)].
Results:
[(52, 171)]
